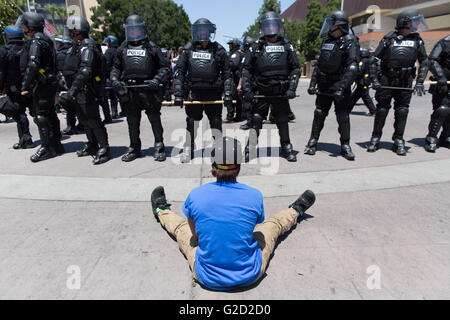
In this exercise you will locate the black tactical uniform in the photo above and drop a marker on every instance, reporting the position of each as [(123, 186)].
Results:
[(203, 74), (363, 82), (246, 106), (398, 55), (40, 81), (234, 113), (84, 62), (273, 65), (13, 58), (334, 74), (63, 45), (110, 55), (440, 67), (141, 62)]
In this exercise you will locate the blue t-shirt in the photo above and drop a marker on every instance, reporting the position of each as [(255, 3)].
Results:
[(225, 215)]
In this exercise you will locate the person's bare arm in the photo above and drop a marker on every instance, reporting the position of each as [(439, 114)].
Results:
[(192, 226)]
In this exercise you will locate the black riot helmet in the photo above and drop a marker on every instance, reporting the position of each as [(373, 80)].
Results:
[(248, 41), (203, 30), (234, 43), (12, 32), (78, 24), (33, 20), (365, 53), (227, 154), (135, 28), (411, 18), (336, 18), (111, 41), (271, 24)]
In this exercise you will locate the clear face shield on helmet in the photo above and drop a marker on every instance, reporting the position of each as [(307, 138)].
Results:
[(330, 22), (135, 32), (203, 32), (418, 23), (272, 27)]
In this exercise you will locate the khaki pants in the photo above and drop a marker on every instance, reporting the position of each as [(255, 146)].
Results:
[(266, 234)]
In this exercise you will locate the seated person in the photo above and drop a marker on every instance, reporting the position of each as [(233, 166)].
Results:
[(225, 238)]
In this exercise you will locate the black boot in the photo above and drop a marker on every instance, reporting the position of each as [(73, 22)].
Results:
[(288, 153), (160, 153), (374, 144), (347, 153), (311, 147), (45, 151), (27, 144), (304, 202), (89, 149), (131, 155), (431, 144), (103, 155), (187, 154), (399, 147), (159, 201)]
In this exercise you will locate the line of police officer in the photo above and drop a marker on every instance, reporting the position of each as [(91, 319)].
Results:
[(267, 73)]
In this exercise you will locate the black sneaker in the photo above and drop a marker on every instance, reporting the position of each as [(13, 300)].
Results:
[(159, 201), (304, 202)]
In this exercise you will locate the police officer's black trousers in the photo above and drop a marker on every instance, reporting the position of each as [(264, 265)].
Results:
[(23, 125), (342, 109), (88, 113), (46, 117), (441, 115), (280, 109), (150, 102), (402, 99)]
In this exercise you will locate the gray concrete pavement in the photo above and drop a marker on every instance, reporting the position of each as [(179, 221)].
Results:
[(382, 217)]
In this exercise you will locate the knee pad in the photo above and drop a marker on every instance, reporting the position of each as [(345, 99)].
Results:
[(257, 121), (402, 112), (442, 112), (41, 121), (320, 114), (382, 111)]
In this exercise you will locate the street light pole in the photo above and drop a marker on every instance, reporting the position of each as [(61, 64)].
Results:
[(342, 4), (81, 9)]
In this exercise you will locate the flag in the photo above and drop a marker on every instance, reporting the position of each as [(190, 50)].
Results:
[(49, 30)]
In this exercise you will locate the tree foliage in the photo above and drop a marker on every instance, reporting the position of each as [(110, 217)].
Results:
[(168, 24)]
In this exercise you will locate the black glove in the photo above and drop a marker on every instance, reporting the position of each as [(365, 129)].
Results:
[(419, 89), (338, 94), (178, 102), (117, 85), (376, 85), (65, 98), (290, 94), (152, 84), (312, 90), (249, 97), (62, 84)]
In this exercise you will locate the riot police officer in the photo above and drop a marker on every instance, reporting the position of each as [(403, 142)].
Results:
[(141, 62), (12, 67), (440, 67), (274, 66), (40, 82), (63, 45), (246, 106), (110, 54), (334, 74), (83, 70), (203, 73), (234, 113), (398, 51), (363, 82)]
